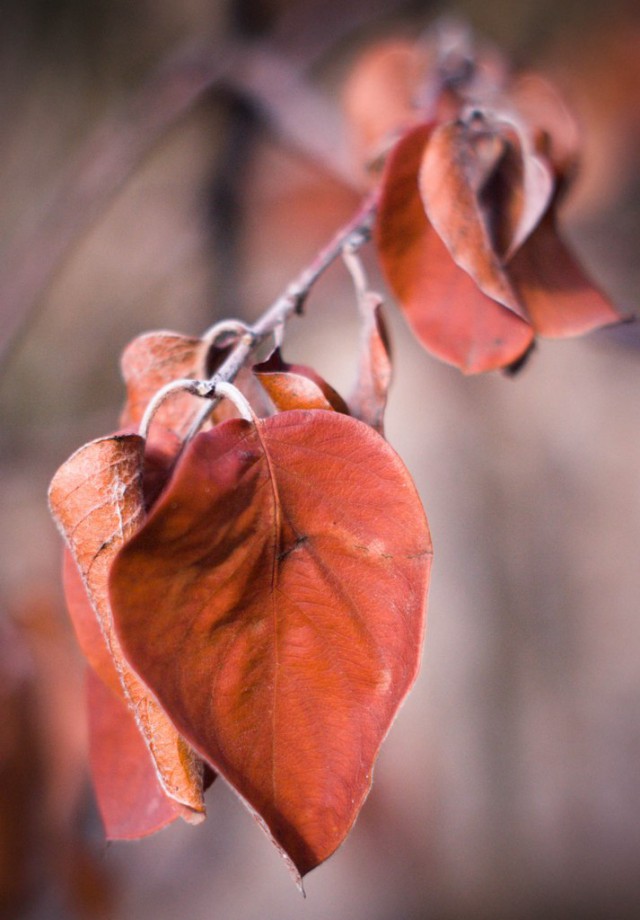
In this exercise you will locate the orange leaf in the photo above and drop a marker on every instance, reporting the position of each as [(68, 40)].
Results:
[(96, 499), (551, 124), (286, 565), (459, 160), (451, 317), (85, 624), (295, 386), (148, 363), (380, 93), (131, 801), (561, 299), (368, 399)]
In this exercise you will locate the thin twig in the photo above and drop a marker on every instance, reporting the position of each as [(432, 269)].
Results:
[(352, 235)]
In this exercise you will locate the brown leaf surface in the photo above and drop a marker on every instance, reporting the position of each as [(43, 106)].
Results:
[(561, 299), (451, 317), (86, 627), (96, 499), (458, 162), (379, 95), (296, 386), (368, 399), (288, 562), (148, 363), (131, 801)]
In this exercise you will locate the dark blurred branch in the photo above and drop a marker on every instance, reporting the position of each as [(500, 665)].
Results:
[(112, 153), (118, 146)]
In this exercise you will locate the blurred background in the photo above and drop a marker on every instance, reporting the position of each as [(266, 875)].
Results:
[(167, 164)]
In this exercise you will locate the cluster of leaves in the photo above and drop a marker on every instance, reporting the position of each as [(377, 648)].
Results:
[(253, 607), (467, 233), (250, 592)]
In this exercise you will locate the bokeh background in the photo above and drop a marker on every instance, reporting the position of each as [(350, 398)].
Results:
[(133, 199)]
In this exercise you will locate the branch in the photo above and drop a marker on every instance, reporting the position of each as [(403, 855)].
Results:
[(351, 236)]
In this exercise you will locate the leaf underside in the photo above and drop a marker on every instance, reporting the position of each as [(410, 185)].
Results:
[(96, 498)]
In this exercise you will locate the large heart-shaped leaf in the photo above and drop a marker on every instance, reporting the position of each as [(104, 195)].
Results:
[(286, 565)]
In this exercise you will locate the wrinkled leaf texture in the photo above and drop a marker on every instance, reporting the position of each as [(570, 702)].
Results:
[(129, 797), (286, 565), (446, 301), (96, 499)]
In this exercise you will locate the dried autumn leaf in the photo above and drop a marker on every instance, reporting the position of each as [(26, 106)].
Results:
[(451, 317), (96, 499), (287, 562), (380, 93), (130, 799), (148, 363), (368, 399), (551, 124), (295, 386), (561, 299), (90, 638), (483, 193)]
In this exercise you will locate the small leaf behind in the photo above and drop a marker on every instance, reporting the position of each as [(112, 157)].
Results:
[(97, 501), (131, 801), (296, 386), (368, 399)]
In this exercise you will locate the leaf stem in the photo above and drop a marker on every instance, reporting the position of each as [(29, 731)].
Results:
[(351, 236)]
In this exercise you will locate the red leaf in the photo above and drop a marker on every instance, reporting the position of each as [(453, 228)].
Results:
[(148, 363), (295, 386), (96, 499), (368, 400), (132, 803), (85, 624), (380, 93), (451, 317), (552, 126), (483, 193), (286, 565), (561, 299)]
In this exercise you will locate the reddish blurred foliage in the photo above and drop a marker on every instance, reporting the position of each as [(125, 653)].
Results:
[(467, 225)]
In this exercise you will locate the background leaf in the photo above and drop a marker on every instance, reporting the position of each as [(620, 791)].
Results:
[(458, 162), (561, 299), (368, 398), (450, 316), (131, 801)]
